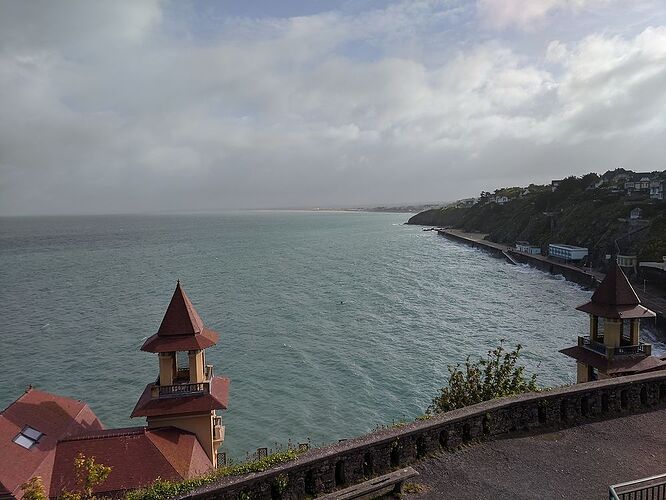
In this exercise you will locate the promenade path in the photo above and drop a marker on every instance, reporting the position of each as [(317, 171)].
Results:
[(651, 297), (575, 463)]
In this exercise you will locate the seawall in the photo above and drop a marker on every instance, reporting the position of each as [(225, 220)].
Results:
[(325, 469), (586, 278), (571, 273)]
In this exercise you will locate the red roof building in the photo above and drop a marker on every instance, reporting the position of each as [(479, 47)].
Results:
[(613, 346), (186, 394), (137, 456), (42, 434), (30, 429)]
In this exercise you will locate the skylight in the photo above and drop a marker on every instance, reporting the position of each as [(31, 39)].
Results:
[(28, 437)]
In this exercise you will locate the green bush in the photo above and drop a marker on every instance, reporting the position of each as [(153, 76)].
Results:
[(494, 377)]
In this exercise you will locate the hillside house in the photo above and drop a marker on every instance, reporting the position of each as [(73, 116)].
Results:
[(657, 189), (525, 247), (638, 183), (500, 200)]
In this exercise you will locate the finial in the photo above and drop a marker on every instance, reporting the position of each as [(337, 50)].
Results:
[(29, 388), (177, 282)]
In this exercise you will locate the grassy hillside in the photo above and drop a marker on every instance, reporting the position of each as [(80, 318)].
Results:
[(575, 213)]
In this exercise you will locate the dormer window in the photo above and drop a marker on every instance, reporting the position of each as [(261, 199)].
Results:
[(28, 437)]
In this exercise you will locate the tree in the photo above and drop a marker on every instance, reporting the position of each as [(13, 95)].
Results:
[(33, 489), (494, 377), (88, 475)]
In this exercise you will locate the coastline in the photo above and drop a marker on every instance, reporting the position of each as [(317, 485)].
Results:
[(587, 278)]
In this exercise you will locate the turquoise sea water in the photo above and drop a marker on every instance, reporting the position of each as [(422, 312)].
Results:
[(330, 323)]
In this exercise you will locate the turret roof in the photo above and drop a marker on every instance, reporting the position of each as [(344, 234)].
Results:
[(182, 329), (616, 298), (180, 318)]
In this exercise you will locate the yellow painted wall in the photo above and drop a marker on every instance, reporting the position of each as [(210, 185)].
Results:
[(196, 366), (581, 372), (594, 321), (167, 367), (201, 425), (612, 329), (635, 331)]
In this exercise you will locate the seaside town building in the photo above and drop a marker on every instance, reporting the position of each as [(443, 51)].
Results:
[(525, 247), (41, 434), (657, 189), (613, 347), (566, 252)]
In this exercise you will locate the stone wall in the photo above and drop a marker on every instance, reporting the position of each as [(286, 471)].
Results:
[(324, 469)]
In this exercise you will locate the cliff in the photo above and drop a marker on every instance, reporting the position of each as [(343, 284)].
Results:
[(590, 211)]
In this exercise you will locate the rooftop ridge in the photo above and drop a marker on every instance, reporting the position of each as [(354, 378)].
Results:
[(106, 433)]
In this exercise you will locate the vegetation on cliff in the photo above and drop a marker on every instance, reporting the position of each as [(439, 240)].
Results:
[(589, 211)]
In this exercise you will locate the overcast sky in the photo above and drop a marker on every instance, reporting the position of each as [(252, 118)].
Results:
[(141, 106)]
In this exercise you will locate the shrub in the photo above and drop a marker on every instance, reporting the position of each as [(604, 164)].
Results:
[(496, 376), (162, 489), (88, 475), (33, 489)]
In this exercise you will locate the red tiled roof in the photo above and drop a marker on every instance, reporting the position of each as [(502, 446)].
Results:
[(56, 417), (622, 365), (4, 491), (137, 456), (182, 328), (216, 399), (171, 343), (615, 298)]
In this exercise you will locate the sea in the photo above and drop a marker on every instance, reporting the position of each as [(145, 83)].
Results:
[(331, 323)]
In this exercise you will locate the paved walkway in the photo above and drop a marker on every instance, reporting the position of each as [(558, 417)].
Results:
[(651, 297), (576, 463)]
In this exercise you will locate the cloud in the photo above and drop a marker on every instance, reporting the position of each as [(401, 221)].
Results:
[(338, 108), (527, 13), (613, 86)]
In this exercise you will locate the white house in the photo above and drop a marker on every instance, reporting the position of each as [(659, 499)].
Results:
[(635, 213), (525, 247), (566, 252), (657, 190), (627, 260)]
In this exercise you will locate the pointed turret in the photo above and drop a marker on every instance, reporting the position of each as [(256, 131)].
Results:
[(186, 395), (613, 346), (181, 329), (616, 298)]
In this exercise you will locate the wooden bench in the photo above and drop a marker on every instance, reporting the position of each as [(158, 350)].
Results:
[(372, 488)]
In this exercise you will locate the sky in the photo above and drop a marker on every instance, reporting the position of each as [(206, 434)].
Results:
[(137, 106)]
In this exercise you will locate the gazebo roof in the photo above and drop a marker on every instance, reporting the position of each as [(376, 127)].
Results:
[(182, 329), (615, 298)]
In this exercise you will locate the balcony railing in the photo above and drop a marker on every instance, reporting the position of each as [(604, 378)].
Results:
[(177, 390), (650, 488), (594, 345)]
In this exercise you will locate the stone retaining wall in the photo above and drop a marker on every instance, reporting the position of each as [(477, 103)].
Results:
[(324, 469)]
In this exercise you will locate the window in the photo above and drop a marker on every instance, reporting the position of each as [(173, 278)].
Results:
[(28, 437)]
